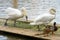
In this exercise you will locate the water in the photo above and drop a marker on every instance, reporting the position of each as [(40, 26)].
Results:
[(9, 36), (4, 36)]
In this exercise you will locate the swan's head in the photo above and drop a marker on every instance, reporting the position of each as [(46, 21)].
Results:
[(24, 12), (52, 11)]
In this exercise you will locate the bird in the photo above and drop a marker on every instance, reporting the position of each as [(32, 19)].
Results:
[(50, 29), (45, 18), (54, 28), (14, 14)]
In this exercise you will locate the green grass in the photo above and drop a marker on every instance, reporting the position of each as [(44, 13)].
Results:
[(21, 25)]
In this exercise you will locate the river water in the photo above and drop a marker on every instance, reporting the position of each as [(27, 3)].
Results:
[(7, 36)]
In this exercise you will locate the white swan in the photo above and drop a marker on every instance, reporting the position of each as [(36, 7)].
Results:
[(14, 14), (44, 18)]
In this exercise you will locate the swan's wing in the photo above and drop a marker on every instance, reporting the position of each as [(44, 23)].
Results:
[(45, 18), (37, 19), (11, 12)]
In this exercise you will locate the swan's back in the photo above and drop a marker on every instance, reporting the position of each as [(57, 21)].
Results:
[(43, 19), (12, 11)]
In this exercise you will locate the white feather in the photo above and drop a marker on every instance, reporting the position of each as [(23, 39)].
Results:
[(43, 19), (13, 13)]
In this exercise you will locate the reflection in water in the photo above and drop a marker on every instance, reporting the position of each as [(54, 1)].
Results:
[(6, 36), (3, 37), (9, 36)]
